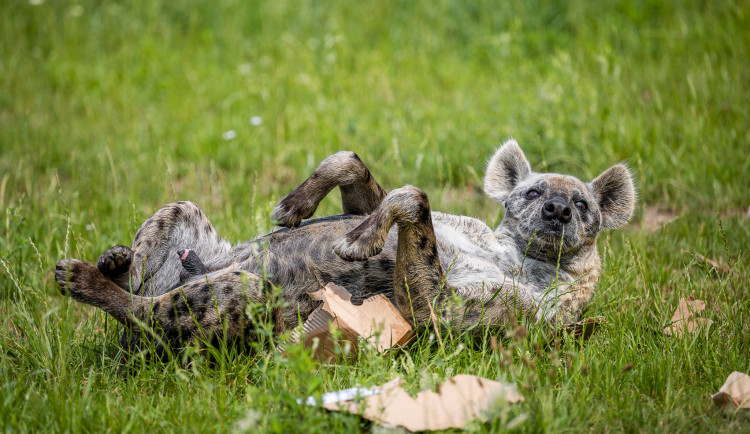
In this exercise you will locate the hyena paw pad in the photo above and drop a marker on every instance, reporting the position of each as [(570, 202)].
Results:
[(291, 210), (73, 274), (115, 261), (356, 250)]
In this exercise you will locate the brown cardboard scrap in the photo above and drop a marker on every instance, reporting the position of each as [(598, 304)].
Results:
[(376, 320), (684, 319), (586, 327), (458, 401), (583, 328), (717, 268), (735, 391), (724, 268)]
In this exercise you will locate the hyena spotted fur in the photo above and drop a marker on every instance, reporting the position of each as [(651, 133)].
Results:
[(541, 262)]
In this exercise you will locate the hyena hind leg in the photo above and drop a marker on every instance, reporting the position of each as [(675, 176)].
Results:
[(204, 308), (151, 266), (360, 193)]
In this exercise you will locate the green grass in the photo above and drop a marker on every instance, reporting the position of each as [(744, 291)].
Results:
[(110, 109)]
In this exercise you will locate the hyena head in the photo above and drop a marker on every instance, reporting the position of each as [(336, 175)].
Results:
[(553, 214)]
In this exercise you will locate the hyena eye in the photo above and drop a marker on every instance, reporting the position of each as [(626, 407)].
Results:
[(581, 205), (532, 194)]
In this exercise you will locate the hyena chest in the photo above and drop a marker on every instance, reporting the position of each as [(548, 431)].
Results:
[(302, 259), (471, 258)]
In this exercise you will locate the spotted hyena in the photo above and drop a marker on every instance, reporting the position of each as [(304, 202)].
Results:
[(181, 279)]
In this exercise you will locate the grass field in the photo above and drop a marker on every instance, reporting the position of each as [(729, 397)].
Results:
[(110, 109)]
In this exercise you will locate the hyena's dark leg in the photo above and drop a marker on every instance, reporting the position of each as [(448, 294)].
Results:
[(360, 193), (208, 307), (151, 266), (418, 275)]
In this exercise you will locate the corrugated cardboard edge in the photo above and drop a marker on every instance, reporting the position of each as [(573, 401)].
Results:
[(353, 322), (735, 391), (583, 328)]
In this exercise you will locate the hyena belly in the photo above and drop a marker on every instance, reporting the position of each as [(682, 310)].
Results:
[(302, 259)]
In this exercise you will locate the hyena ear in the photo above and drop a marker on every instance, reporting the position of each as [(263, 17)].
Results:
[(615, 194), (505, 170)]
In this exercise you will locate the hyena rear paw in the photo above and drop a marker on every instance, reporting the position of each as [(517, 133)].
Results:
[(75, 277), (115, 261), (292, 209), (361, 243)]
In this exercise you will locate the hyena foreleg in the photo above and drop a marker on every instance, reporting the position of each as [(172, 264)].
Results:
[(360, 193), (418, 275)]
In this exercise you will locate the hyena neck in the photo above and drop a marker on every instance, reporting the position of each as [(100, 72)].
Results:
[(583, 262), (579, 276)]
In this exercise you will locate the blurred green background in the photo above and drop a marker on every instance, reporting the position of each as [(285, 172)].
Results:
[(127, 102)]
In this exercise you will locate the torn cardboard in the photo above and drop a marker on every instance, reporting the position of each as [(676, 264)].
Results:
[(684, 319), (376, 320), (735, 391), (458, 401), (583, 328), (719, 268)]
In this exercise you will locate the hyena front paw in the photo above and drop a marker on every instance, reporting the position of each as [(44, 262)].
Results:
[(75, 277), (292, 209), (115, 261), (358, 246)]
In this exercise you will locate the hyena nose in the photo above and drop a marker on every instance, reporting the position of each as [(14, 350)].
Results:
[(557, 209)]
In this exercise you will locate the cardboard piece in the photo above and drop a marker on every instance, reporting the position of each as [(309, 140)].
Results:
[(458, 401), (718, 267), (376, 320), (735, 391), (583, 328), (684, 319)]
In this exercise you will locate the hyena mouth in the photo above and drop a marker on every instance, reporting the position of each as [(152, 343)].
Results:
[(550, 235), (552, 229)]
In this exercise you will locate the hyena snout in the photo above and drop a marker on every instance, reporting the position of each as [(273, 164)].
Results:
[(557, 209)]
